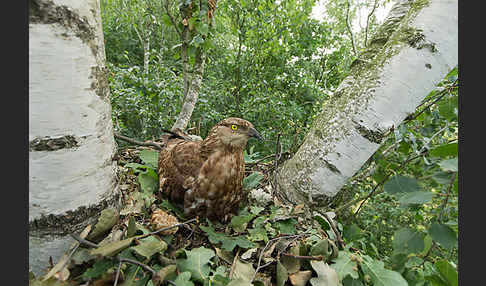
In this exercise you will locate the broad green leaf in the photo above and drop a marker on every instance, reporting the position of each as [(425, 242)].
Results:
[(326, 276), (292, 264), (282, 274), (447, 271), (252, 180), (112, 248), (400, 184), (448, 108), (443, 234), (149, 157), (349, 281), (99, 267), (228, 243), (183, 279), (351, 232), (147, 183), (257, 234), (239, 282), (397, 261), (149, 248), (419, 197), (243, 270), (381, 276), (197, 262), (406, 240), (449, 165), (323, 222), (345, 266), (444, 150), (286, 226)]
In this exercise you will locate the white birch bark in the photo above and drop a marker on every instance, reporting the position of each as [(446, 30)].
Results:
[(68, 102), (413, 50)]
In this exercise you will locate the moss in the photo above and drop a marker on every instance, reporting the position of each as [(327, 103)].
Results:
[(370, 135)]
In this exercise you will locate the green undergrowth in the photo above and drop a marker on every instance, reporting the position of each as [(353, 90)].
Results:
[(266, 243)]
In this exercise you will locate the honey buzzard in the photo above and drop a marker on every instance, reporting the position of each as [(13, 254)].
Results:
[(206, 176)]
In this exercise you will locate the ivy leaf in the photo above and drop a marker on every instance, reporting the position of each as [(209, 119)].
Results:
[(197, 263), (183, 279), (381, 276), (443, 234), (282, 274), (400, 184), (407, 240), (229, 243), (286, 226), (252, 180), (326, 276), (419, 197), (449, 165), (345, 264), (149, 157)]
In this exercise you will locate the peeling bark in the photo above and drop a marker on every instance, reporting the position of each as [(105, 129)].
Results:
[(411, 52)]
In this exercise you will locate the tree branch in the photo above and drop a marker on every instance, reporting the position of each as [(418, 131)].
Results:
[(444, 204), (167, 10), (368, 22), (133, 141), (348, 26)]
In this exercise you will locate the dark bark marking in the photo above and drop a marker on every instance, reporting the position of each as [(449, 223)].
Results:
[(53, 144), (371, 135)]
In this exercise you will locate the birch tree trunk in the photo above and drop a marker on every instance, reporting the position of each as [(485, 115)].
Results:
[(71, 171), (411, 52)]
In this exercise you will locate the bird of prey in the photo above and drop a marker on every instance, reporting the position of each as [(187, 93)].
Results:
[(206, 176)]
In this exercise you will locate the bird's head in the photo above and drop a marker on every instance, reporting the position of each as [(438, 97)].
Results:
[(235, 132)]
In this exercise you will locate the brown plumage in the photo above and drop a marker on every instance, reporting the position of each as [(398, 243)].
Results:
[(206, 176)]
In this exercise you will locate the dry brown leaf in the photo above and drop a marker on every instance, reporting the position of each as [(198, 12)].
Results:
[(300, 278), (161, 219)]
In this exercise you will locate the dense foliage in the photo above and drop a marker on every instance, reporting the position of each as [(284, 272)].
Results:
[(273, 64)]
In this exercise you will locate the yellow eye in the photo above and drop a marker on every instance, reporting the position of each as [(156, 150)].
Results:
[(234, 127)]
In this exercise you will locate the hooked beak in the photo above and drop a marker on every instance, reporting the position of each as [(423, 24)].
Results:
[(254, 133)]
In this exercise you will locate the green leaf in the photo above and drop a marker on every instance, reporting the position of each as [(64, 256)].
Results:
[(444, 150), (149, 248), (112, 248), (379, 275), (447, 271), (286, 226), (197, 263), (229, 243), (106, 221), (282, 274), (239, 282), (149, 157), (148, 183), (323, 222), (326, 276), (348, 281), (257, 234), (448, 108), (352, 232), (99, 268), (345, 264), (407, 240), (166, 20), (400, 184), (183, 279), (419, 197), (243, 270), (449, 165), (252, 180), (443, 234)]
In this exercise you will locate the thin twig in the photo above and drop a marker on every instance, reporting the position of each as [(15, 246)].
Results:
[(278, 153), (84, 241), (259, 266), (117, 273), (317, 257), (133, 141), (335, 230), (349, 27), (167, 228), (171, 18), (444, 204), (368, 22), (144, 266)]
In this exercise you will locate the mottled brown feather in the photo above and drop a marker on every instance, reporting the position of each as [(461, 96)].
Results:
[(206, 176)]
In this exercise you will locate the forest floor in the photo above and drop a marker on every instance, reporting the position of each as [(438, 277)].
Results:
[(150, 242)]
